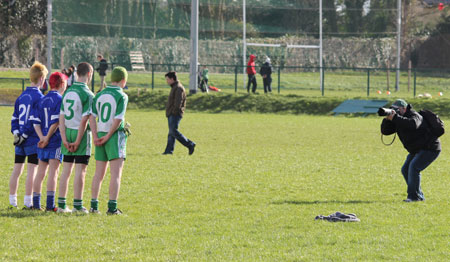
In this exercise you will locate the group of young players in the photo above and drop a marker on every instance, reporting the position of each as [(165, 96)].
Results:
[(59, 127)]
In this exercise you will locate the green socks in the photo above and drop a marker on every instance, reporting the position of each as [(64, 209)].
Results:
[(78, 204), (62, 202), (94, 204), (112, 205)]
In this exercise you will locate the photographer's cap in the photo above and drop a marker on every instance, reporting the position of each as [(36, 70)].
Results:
[(400, 103)]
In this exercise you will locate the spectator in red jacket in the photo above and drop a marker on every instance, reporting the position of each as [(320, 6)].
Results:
[(251, 72)]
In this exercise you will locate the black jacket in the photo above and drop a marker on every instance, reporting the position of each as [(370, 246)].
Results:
[(266, 69), (413, 131), (102, 67)]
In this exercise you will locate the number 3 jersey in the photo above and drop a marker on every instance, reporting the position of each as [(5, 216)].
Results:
[(23, 108), (47, 114), (76, 103), (109, 104)]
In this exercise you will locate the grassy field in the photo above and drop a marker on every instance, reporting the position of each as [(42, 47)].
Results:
[(338, 83), (250, 192)]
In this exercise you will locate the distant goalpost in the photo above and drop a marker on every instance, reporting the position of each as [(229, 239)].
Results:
[(320, 46), (245, 44)]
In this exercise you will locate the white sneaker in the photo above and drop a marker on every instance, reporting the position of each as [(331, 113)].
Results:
[(92, 211), (65, 210), (83, 210)]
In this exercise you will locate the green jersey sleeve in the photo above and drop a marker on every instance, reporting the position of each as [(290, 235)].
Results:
[(87, 103), (61, 112), (121, 107), (94, 111)]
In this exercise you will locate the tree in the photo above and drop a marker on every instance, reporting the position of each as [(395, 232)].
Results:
[(330, 16), (354, 16), (23, 17)]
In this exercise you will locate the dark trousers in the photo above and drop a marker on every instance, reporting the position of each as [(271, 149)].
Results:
[(251, 80), (411, 169), (267, 82), (204, 85), (174, 122)]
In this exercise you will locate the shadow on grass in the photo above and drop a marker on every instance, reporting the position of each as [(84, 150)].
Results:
[(315, 202), (23, 213)]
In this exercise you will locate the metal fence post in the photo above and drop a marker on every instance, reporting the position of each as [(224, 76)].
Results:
[(323, 81), (235, 78), (93, 82), (153, 77), (279, 80), (368, 82), (414, 82)]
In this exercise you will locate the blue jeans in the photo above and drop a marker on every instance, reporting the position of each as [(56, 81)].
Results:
[(411, 169), (174, 121)]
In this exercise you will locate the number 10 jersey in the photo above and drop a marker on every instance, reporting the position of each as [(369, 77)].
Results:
[(109, 104)]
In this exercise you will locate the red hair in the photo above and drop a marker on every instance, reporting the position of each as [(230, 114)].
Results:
[(56, 79)]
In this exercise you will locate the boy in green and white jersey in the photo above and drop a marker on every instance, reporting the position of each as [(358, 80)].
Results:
[(76, 137), (110, 140)]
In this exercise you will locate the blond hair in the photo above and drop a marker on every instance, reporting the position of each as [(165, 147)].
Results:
[(37, 71)]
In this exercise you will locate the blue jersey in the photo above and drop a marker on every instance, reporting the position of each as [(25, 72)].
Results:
[(20, 122), (47, 114)]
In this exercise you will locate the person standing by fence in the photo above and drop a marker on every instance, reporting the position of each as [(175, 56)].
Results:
[(266, 73), (251, 73), (101, 70), (72, 74), (204, 80)]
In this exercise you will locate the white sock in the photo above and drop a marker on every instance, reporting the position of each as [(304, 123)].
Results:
[(13, 200), (28, 201)]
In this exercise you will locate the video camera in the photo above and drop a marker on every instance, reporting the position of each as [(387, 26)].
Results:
[(387, 111)]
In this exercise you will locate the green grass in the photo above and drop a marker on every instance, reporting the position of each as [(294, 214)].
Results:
[(338, 83), (250, 192)]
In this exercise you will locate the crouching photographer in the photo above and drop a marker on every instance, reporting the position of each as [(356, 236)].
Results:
[(415, 134)]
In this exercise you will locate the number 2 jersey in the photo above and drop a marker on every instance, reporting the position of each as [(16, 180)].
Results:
[(25, 104), (47, 114), (76, 103), (109, 104)]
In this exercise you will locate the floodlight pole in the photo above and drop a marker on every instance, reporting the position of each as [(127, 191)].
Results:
[(49, 36), (399, 30), (244, 42), (321, 47), (193, 81)]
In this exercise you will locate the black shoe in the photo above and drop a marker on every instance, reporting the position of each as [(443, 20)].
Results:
[(166, 153), (115, 212), (191, 149), (408, 200)]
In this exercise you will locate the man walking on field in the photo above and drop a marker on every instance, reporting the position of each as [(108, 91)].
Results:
[(175, 107)]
